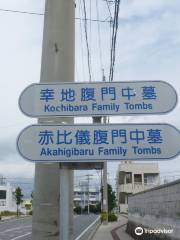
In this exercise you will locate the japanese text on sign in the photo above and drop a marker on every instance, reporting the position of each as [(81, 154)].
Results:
[(99, 142), (98, 99)]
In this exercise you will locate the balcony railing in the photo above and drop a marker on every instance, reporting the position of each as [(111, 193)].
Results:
[(136, 187)]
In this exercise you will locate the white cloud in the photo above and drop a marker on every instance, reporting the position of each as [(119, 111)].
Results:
[(147, 49), (143, 9), (15, 167)]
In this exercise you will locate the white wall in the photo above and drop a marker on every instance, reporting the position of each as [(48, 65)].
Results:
[(10, 204)]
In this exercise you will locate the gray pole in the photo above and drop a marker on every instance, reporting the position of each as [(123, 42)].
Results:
[(57, 66), (105, 195), (66, 203), (88, 194), (105, 192), (88, 179)]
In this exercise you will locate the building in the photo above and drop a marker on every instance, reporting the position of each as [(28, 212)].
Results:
[(134, 177), (7, 199), (81, 195), (26, 206)]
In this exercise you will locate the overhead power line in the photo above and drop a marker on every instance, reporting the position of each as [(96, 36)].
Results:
[(99, 36), (87, 42), (23, 12), (81, 39), (114, 38), (109, 8), (93, 20), (42, 14)]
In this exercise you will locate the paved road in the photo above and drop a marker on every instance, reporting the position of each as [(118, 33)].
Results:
[(16, 229), (20, 229), (81, 222)]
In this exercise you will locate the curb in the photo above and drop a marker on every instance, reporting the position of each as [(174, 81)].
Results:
[(114, 234), (13, 218)]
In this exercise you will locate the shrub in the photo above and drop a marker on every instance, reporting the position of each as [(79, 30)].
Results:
[(104, 216), (30, 212), (112, 217), (7, 213), (92, 208), (78, 210)]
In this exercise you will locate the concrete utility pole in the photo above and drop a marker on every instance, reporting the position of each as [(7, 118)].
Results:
[(88, 179), (105, 190), (98, 120), (50, 184)]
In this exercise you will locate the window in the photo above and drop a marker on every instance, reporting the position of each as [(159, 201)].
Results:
[(137, 178), (2, 194), (121, 177), (149, 179), (128, 178)]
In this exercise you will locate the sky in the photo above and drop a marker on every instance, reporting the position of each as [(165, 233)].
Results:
[(147, 49)]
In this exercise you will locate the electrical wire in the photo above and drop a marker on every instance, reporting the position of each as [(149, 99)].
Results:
[(90, 32), (114, 38), (81, 39), (87, 42), (99, 37), (42, 14), (23, 12), (113, 43), (109, 9), (93, 20)]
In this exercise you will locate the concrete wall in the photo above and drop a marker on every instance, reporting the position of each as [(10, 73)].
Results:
[(156, 208)]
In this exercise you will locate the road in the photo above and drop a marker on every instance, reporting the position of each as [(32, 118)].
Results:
[(20, 229)]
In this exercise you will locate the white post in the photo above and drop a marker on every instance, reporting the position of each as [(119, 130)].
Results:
[(105, 193), (105, 190), (88, 179), (66, 203), (88, 192), (57, 66)]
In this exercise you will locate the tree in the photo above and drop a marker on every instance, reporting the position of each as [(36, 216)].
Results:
[(111, 199), (18, 197), (32, 196), (93, 208), (78, 210)]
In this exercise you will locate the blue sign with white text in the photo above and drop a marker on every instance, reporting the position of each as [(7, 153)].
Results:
[(91, 143), (98, 99)]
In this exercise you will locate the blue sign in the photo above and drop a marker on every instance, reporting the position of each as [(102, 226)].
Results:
[(98, 99), (91, 143)]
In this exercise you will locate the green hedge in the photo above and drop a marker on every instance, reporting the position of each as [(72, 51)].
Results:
[(78, 210), (7, 213), (104, 216), (112, 217)]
